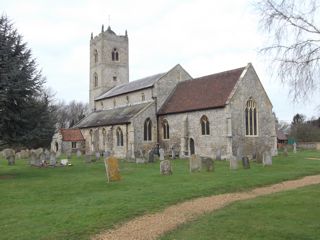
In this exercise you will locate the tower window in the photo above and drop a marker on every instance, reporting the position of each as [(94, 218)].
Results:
[(95, 76), (115, 55), (95, 55), (114, 78), (251, 118)]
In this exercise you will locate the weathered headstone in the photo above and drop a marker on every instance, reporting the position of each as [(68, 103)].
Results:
[(194, 163), (42, 159), (32, 159), (11, 160), (173, 153), (139, 157), (64, 162), (267, 158), (245, 162), (106, 154), (233, 162), (112, 169), (47, 155), (294, 147), (69, 154), (88, 158), (208, 163), (285, 151), (239, 154), (6, 153), (165, 167), (58, 154), (161, 152), (150, 156), (53, 160), (218, 155), (79, 153), (259, 157), (97, 156)]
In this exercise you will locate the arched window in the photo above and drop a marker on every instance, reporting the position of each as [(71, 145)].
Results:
[(251, 118), (205, 127), (115, 55), (95, 77), (147, 130), (95, 55), (165, 126), (119, 137)]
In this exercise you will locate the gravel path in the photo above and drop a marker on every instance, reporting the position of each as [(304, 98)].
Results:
[(151, 226)]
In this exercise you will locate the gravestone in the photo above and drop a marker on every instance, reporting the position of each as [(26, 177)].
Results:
[(218, 155), (245, 162), (194, 163), (112, 169), (259, 157), (233, 162), (139, 157), (239, 154), (11, 160), (173, 153), (68, 154), (88, 158), (58, 154), (32, 158), (6, 153), (150, 156), (294, 147), (78, 153), (64, 162), (106, 154), (42, 159), (97, 156), (208, 163), (165, 167), (267, 159), (285, 151), (161, 152), (47, 155), (53, 160)]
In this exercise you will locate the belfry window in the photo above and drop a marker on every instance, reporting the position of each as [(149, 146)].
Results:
[(95, 77), (119, 137), (166, 133), (115, 55), (95, 56), (147, 133), (251, 118), (205, 127)]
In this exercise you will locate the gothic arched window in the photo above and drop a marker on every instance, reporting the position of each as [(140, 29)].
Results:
[(95, 77), (115, 55), (95, 55), (251, 118), (205, 126), (165, 125), (119, 137), (147, 130)]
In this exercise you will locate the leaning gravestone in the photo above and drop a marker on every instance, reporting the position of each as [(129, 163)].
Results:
[(267, 159), (53, 160), (245, 162), (208, 163), (161, 152), (165, 167), (194, 163), (233, 163), (218, 155), (150, 156), (112, 169)]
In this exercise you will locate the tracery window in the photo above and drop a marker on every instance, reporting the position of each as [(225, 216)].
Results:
[(115, 55), (166, 133), (119, 137), (251, 118), (147, 133), (205, 126)]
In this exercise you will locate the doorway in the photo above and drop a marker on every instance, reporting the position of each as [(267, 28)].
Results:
[(191, 146)]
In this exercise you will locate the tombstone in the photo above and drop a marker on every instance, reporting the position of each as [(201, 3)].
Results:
[(6, 153), (106, 154), (32, 159), (208, 163), (239, 154), (259, 157), (173, 153), (112, 169), (53, 160), (218, 155), (78, 153), (165, 167), (138, 155), (58, 154), (267, 159), (97, 156), (245, 162), (88, 158), (11, 160), (233, 163), (150, 156), (69, 154), (285, 151), (47, 155), (294, 147), (64, 162), (194, 163), (161, 152)]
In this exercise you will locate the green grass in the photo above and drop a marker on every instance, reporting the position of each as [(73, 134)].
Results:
[(287, 215), (77, 202)]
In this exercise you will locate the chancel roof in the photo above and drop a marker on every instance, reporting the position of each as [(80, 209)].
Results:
[(121, 115), (131, 86), (206, 92)]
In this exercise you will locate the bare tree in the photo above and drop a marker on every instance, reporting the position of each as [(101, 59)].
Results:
[(294, 29)]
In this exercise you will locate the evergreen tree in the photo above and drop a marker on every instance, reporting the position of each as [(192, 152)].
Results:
[(24, 107)]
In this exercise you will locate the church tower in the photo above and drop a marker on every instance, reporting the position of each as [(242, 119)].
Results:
[(109, 63)]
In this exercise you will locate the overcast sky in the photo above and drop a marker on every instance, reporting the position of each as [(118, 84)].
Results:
[(204, 36)]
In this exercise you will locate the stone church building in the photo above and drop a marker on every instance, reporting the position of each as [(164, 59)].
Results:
[(219, 112)]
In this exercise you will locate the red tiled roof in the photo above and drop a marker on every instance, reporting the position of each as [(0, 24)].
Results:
[(71, 135), (281, 135), (206, 92)]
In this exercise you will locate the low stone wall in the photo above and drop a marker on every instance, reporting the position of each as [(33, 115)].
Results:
[(309, 145)]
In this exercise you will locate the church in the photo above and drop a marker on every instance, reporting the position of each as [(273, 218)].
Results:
[(222, 112)]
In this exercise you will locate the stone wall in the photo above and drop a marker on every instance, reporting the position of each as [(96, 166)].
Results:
[(309, 145), (250, 86)]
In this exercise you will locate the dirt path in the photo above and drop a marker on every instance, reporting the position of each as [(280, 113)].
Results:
[(152, 226)]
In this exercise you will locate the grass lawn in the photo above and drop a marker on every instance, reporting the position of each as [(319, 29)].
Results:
[(288, 215), (76, 202)]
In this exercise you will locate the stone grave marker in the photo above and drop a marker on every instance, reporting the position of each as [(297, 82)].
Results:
[(267, 158), (218, 155), (245, 162), (233, 163), (53, 160), (139, 157), (64, 162), (161, 152), (173, 153), (194, 163), (239, 154), (106, 154), (208, 163), (165, 167), (58, 154), (47, 155), (32, 158), (11, 160), (97, 156), (69, 154), (294, 147), (285, 151), (259, 157), (88, 158), (150, 156), (112, 169), (79, 153)]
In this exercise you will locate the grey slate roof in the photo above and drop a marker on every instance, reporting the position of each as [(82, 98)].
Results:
[(131, 86), (115, 116)]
